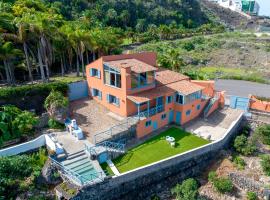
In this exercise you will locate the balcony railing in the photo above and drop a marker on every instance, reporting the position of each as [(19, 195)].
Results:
[(151, 112)]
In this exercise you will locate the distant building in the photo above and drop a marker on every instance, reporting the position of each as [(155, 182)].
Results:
[(250, 7)]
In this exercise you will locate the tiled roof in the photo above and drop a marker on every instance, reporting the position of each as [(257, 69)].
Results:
[(136, 65), (165, 76), (184, 87), (150, 94)]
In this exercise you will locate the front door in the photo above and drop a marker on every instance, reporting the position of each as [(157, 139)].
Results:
[(178, 117), (155, 125), (171, 115)]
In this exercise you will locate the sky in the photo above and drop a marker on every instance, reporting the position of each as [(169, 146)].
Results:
[(264, 7)]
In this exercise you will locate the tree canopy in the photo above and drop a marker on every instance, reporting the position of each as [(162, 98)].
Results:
[(43, 37)]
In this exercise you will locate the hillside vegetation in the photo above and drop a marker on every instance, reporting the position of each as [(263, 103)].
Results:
[(228, 56), (39, 38)]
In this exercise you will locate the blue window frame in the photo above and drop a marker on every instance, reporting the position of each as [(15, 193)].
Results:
[(169, 99), (94, 72), (179, 98), (96, 93), (188, 112), (163, 116), (148, 123), (113, 100), (198, 107)]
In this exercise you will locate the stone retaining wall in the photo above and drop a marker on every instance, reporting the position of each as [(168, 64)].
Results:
[(134, 183), (246, 183)]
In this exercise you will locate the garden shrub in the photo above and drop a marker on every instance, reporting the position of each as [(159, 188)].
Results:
[(265, 163), (263, 133), (15, 123), (221, 184), (239, 162), (31, 90), (251, 196), (243, 146), (188, 190), (18, 173), (52, 123)]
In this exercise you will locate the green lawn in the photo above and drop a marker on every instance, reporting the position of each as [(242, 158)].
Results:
[(157, 148)]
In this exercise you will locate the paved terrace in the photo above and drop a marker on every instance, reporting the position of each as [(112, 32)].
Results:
[(93, 118), (215, 126)]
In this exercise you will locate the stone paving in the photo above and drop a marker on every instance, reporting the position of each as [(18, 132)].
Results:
[(93, 118), (215, 126)]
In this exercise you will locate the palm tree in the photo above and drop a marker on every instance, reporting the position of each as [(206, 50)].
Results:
[(7, 53)]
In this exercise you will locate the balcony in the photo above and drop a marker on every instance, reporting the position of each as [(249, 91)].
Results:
[(151, 112)]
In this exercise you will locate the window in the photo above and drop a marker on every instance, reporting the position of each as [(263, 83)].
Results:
[(163, 116), (113, 100), (94, 72), (198, 107), (192, 97), (112, 77), (142, 79), (148, 123), (169, 99), (179, 98), (96, 93), (188, 112)]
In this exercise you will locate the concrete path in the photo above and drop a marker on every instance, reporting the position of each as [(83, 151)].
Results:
[(243, 88), (113, 168)]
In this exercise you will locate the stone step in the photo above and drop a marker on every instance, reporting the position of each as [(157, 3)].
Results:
[(87, 169), (75, 155), (79, 164), (68, 162)]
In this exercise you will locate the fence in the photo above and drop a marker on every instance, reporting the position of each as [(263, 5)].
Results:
[(114, 133), (78, 90)]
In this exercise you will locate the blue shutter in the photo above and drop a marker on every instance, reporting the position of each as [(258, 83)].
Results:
[(99, 95), (108, 98), (117, 102), (98, 73), (167, 100), (91, 72), (92, 91)]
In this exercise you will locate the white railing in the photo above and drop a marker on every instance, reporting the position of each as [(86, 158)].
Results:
[(77, 178), (151, 112)]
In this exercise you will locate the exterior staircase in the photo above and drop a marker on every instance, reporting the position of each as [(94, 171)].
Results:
[(211, 102), (81, 167)]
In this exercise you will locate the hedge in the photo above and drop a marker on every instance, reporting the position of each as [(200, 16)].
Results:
[(7, 93)]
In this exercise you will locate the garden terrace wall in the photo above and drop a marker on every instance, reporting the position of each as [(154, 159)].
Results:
[(259, 105), (30, 97), (134, 183)]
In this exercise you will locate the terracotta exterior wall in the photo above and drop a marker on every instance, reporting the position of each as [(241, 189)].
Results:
[(98, 83), (209, 87), (259, 105), (142, 130), (192, 107)]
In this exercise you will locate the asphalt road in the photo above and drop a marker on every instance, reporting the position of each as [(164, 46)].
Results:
[(243, 88)]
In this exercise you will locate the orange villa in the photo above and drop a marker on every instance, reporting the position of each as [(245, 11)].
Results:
[(133, 85)]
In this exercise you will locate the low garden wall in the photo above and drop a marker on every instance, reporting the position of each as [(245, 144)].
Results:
[(134, 183), (259, 105), (29, 146), (24, 147)]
